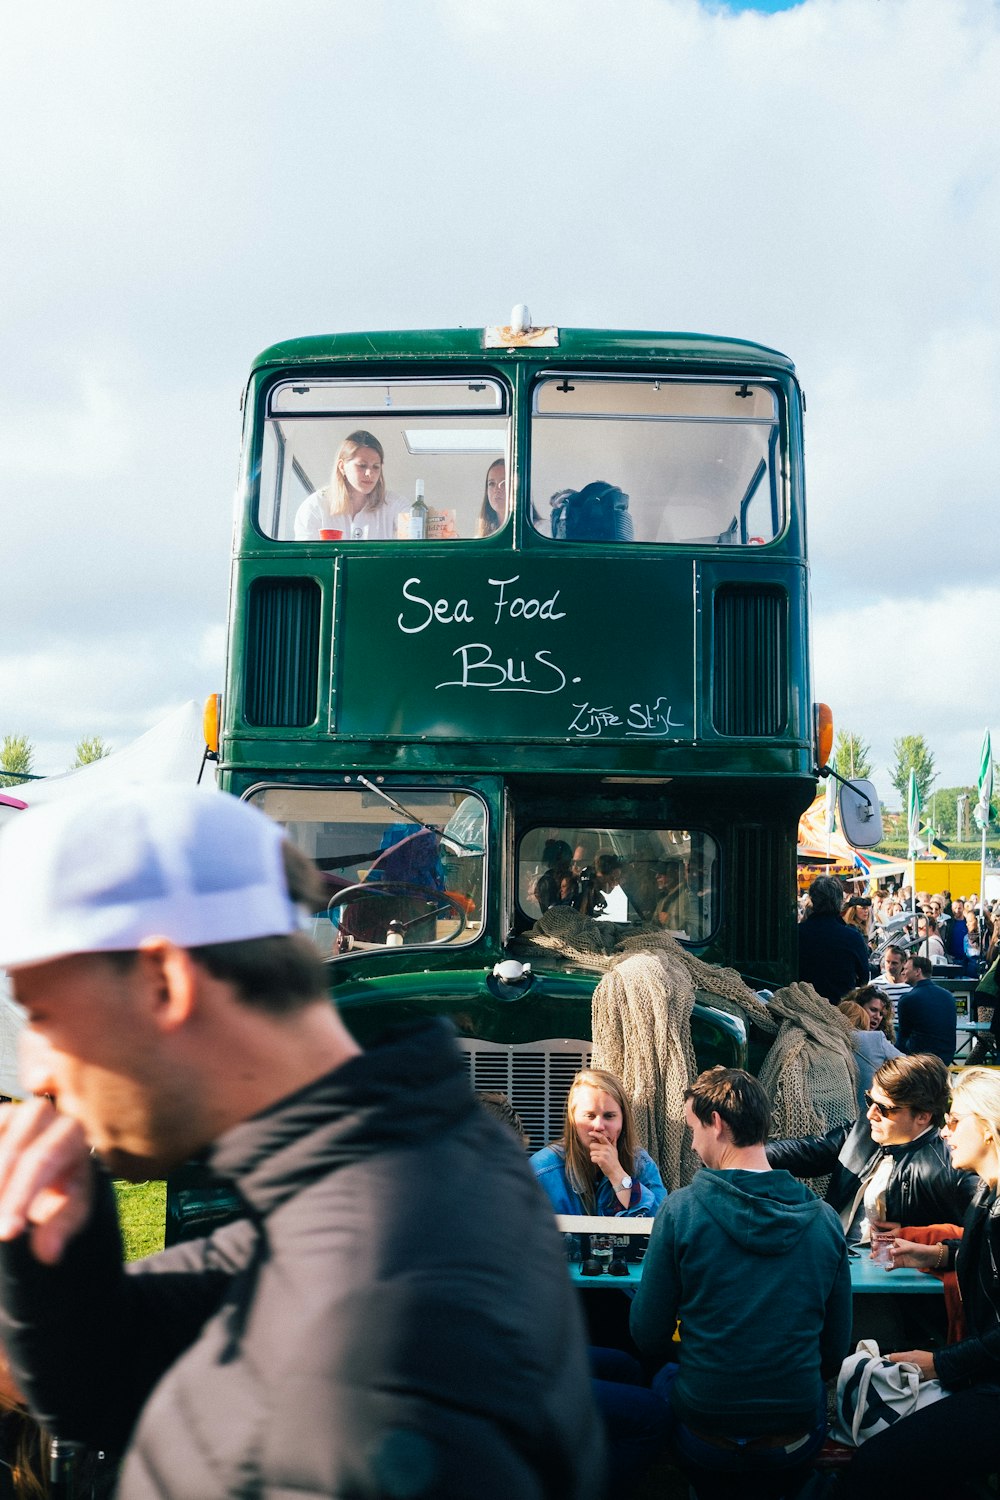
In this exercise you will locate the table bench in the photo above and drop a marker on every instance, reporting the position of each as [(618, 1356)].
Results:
[(865, 1277)]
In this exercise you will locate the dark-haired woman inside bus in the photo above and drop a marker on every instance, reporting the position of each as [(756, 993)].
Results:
[(598, 1167), (933, 1450), (493, 511), (356, 501)]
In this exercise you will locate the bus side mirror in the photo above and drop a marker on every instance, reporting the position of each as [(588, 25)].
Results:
[(860, 813)]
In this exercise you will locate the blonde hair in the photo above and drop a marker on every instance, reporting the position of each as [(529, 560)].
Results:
[(338, 491), (580, 1171), (978, 1089), (856, 1014)]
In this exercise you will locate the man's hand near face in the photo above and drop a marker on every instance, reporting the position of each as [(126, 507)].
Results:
[(46, 1178)]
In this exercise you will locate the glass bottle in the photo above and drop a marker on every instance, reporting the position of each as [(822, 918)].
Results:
[(418, 515)]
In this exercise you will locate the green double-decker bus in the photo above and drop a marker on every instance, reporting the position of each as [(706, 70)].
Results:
[(519, 620)]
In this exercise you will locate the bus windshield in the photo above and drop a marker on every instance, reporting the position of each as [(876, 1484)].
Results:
[(394, 881), (656, 460), (663, 875), (342, 459)]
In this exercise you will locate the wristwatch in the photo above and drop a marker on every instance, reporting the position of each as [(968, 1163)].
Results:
[(625, 1186)]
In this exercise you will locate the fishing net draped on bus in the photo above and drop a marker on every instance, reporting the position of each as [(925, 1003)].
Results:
[(641, 1027)]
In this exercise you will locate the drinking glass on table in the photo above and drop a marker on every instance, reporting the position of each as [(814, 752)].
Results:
[(882, 1248), (600, 1249)]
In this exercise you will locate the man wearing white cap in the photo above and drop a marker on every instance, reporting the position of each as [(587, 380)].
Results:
[(391, 1316)]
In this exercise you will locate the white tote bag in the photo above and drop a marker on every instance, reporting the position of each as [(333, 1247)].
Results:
[(874, 1392)]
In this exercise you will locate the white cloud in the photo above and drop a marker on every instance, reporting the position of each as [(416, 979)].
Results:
[(117, 688), (913, 664), (76, 429), (192, 183), (907, 445)]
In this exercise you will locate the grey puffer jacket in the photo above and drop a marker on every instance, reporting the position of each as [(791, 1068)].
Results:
[(393, 1316)]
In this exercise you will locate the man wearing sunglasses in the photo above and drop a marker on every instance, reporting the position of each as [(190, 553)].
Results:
[(891, 1167)]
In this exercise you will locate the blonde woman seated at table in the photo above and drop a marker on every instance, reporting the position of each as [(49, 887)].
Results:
[(598, 1167), (933, 1450), (356, 501)]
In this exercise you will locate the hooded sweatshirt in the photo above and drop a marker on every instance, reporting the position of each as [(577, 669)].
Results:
[(755, 1268)]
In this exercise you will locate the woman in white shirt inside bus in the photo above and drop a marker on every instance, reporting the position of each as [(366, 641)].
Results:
[(356, 501)]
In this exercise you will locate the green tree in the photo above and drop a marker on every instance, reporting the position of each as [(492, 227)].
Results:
[(17, 754), (944, 803), (912, 753), (90, 748), (852, 756)]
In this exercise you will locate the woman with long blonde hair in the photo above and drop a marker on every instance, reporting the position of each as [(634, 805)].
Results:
[(935, 1449), (598, 1167), (356, 501)]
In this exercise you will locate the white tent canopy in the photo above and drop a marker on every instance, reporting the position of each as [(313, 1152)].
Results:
[(170, 751)]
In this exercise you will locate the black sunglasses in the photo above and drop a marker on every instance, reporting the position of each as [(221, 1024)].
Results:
[(883, 1109)]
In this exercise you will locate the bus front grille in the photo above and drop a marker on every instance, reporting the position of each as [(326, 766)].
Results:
[(756, 896), (282, 652), (535, 1076), (750, 661)]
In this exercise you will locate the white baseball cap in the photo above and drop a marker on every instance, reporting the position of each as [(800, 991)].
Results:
[(102, 874)]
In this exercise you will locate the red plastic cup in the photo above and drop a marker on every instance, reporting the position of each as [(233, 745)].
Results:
[(331, 536)]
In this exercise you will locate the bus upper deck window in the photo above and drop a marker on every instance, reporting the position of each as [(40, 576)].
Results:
[(346, 460), (666, 460)]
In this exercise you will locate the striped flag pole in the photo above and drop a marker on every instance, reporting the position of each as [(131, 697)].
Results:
[(831, 795), (983, 806), (913, 827)]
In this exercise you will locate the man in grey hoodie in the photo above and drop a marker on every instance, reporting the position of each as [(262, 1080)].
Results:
[(755, 1268)]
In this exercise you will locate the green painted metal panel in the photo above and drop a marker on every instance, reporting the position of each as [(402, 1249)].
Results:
[(574, 343), (516, 649)]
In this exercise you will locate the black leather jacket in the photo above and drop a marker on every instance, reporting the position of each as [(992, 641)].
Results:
[(924, 1187), (977, 1357)]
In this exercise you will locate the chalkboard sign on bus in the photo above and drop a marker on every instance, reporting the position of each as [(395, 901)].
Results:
[(514, 648)]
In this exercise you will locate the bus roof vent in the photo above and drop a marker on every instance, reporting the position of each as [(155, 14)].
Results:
[(519, 332)]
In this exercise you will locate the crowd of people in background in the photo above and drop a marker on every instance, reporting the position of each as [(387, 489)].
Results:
[(953, 931), (901, 944)]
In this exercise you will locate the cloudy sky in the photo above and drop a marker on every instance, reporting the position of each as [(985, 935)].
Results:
[(184, 184)]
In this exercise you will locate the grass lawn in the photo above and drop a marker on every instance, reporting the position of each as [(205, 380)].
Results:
[(142, 1211)]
